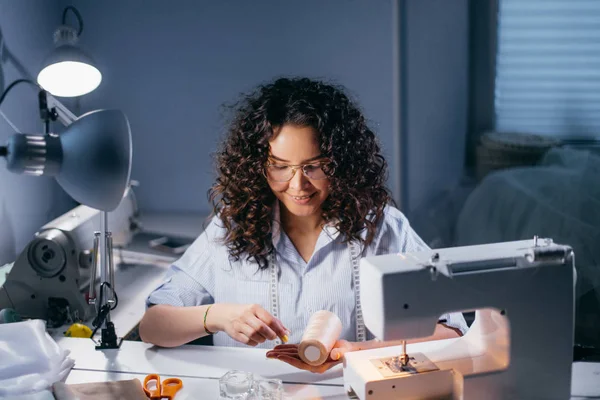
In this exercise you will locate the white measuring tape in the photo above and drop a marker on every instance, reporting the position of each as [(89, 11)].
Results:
[(354, 260)]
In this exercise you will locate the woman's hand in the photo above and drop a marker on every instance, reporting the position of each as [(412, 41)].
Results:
[(246, 323), (288, 353)]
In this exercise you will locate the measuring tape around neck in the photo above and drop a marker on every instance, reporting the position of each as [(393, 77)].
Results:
[(355, 262)]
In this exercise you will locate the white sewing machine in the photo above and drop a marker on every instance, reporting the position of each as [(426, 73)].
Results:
[(51, 275), (520, 345)]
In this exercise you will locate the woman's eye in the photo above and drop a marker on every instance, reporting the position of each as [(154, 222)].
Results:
[(279, 167), (311, 168)]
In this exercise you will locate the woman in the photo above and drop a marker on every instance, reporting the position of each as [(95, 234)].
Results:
[(299, 198)]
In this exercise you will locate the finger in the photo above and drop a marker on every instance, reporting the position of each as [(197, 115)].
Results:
[(272, 322), (289, 352), (318, 369), (240, 337), (240, 327), (260, 327), (339, 349), (285, 346), (337, 354), (292, 350), (251, 333)]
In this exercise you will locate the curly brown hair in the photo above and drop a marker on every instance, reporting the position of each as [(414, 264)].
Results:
[(241, 196)]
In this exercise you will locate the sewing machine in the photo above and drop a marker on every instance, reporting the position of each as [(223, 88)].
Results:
[(520, 345), (51, 276)]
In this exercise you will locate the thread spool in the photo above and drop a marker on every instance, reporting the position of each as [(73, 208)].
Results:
[(323, 330)]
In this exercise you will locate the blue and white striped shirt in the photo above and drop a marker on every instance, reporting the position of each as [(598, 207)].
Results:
[(206, 274)]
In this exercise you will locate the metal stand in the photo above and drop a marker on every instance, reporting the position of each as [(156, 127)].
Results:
[(107, 300)]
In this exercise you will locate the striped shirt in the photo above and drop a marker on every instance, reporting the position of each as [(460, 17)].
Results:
[(206, 274)]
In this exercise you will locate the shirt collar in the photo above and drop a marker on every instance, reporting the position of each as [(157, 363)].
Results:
[(329, 229)]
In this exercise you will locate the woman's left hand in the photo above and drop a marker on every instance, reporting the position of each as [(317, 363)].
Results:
[(288, 353)]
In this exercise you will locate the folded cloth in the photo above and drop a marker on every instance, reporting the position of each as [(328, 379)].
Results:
[(30, 360), (118, 390)]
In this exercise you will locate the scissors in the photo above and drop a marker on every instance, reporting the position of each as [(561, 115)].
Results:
[(157, 390)]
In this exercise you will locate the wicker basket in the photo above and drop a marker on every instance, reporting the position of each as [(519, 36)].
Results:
[(501, 150)]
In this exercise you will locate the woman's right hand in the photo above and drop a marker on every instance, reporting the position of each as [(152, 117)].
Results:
[(246, 323)]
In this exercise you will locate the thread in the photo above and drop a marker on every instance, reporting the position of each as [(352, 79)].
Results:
[(323, 330)]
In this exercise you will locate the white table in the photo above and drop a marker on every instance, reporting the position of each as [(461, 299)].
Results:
[(208, 388), (200, 367)]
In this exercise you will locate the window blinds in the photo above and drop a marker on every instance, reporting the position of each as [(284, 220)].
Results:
[(548, 68)]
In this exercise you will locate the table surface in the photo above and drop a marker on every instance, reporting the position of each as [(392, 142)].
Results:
[(200, 367), (208, 388)]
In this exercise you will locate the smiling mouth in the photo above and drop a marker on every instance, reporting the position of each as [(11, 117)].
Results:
[(302, 197)]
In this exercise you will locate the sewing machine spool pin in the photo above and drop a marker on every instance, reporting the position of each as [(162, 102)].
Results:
[(404, 357)]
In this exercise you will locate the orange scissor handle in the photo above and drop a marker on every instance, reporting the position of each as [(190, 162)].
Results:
[(152, 386), (156, 390), (170, 387)]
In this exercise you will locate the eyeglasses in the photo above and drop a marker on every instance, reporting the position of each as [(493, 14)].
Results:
[(285, 173)]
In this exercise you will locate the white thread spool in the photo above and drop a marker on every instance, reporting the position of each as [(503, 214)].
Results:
[(323, 330)]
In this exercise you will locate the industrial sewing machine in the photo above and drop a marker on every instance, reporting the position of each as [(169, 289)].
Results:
[(50, 278), (520, 345)]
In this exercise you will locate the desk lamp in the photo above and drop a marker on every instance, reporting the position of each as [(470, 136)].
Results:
[(68, 71), (91, 160)]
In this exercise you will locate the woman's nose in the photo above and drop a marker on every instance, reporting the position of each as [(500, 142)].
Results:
[(299, 180)]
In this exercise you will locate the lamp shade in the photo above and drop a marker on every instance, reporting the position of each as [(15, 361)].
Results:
[(96, 164), (68, 71), (91, 159)]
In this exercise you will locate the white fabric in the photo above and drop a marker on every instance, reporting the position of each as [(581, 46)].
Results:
[(30, 360), (43, 395)]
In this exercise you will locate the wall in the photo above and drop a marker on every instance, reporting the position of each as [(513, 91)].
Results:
[(26, 203), (435, 95), (171, 67)]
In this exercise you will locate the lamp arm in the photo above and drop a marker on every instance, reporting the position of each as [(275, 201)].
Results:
[(63, 114), (48, 103)]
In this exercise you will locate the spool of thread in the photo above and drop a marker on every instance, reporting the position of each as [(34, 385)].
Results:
[(323, 330)]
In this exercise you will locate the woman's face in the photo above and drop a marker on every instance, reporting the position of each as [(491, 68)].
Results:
[(296, 146)]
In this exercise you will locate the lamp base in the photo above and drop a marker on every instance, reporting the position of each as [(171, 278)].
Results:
[(109, 339)]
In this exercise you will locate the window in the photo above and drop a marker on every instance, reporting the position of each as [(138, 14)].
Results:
[(548, 68)]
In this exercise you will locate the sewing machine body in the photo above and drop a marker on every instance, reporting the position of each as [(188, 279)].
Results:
[(519, 346), (53, 271)]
